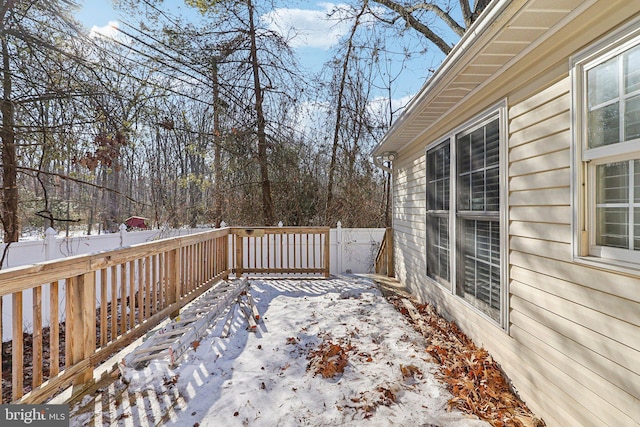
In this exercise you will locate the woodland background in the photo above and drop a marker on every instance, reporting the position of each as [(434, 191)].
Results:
[(194, 122)]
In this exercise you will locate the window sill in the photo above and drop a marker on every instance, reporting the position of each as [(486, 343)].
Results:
[(611, 265)]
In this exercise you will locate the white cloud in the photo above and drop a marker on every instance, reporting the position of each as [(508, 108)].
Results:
[(321, 28), (379, 106), (109, 31)]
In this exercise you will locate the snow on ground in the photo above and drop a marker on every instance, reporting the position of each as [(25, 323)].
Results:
[(377, 371)]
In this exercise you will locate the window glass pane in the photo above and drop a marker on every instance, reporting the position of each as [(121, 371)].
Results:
[(636, 229), (612, 227), (481, 270), (477, 149), (636, 181), (613, 183), (632, 118), (493, 144), (464, 154), (477, 191), (493, 189), (604, 126), (602, 82), (438, 178), (438, 248), (478, 174), (632, 70), (483, 241), (464, 193), (441, 190), (431, 195)]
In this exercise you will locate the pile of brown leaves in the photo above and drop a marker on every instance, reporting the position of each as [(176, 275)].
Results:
[(368, 402), (473, 377), (329, 359)]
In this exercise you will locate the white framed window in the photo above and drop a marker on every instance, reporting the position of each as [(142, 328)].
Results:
[(606, 83), (438, 202), (466, 214)]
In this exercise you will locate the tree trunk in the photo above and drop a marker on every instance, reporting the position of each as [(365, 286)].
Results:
[(267, 203), (338, 122), (217, 149), (9, 167)]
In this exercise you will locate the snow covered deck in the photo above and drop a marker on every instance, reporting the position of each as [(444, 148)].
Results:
[(325, 352)]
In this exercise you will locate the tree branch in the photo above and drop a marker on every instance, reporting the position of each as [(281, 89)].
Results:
[(446, 18), (414, 23), (25, 169), (466, 12)]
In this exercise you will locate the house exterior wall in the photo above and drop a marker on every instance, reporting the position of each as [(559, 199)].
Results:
[(572, 346)]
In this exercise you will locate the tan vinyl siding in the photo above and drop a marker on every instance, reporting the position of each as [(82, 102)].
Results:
[(582, 324), (409, 204), (572, 346)]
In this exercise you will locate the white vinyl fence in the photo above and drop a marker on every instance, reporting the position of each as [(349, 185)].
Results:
[(53, 247), (352, 251)]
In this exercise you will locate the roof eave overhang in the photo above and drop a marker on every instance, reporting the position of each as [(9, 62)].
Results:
[(491, 45)]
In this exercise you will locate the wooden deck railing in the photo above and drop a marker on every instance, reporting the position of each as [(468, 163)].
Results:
[(84, 309), (384, 258), (279, 250)]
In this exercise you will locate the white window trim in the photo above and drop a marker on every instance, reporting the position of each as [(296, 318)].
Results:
[(440, 213), (498, 110), (585, 160)]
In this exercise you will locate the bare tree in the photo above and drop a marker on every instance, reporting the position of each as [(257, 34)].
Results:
[(34, 49)]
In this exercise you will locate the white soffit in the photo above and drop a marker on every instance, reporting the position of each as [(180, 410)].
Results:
[(506, 31)]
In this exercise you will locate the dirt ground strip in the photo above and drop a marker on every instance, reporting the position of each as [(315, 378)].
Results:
[(478, 384)]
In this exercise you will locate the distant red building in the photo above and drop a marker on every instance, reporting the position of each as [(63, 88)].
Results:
[(136, 222)]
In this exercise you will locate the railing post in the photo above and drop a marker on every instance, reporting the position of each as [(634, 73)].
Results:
[(239, 255), (81, 323), (222, 246), (389, 238), (339, 248), (174, 279), (49, 242), (327, 253), (123, 234)]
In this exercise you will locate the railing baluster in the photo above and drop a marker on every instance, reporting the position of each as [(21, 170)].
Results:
[(239, 256), (103, 307), (255, 251), (307, 251), (123, 298), (188, 268), (141, 290), (155, 263), (36, 373), (164, 278), (132, 293), (202, 263), (281, 265), (17, 349), (68, 329), (54, 331), (287, 265), (268, 236), (184, 254), (114, 302), (147, 287), (314, 250)]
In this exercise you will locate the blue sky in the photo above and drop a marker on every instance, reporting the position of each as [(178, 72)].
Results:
[(316, 35)]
